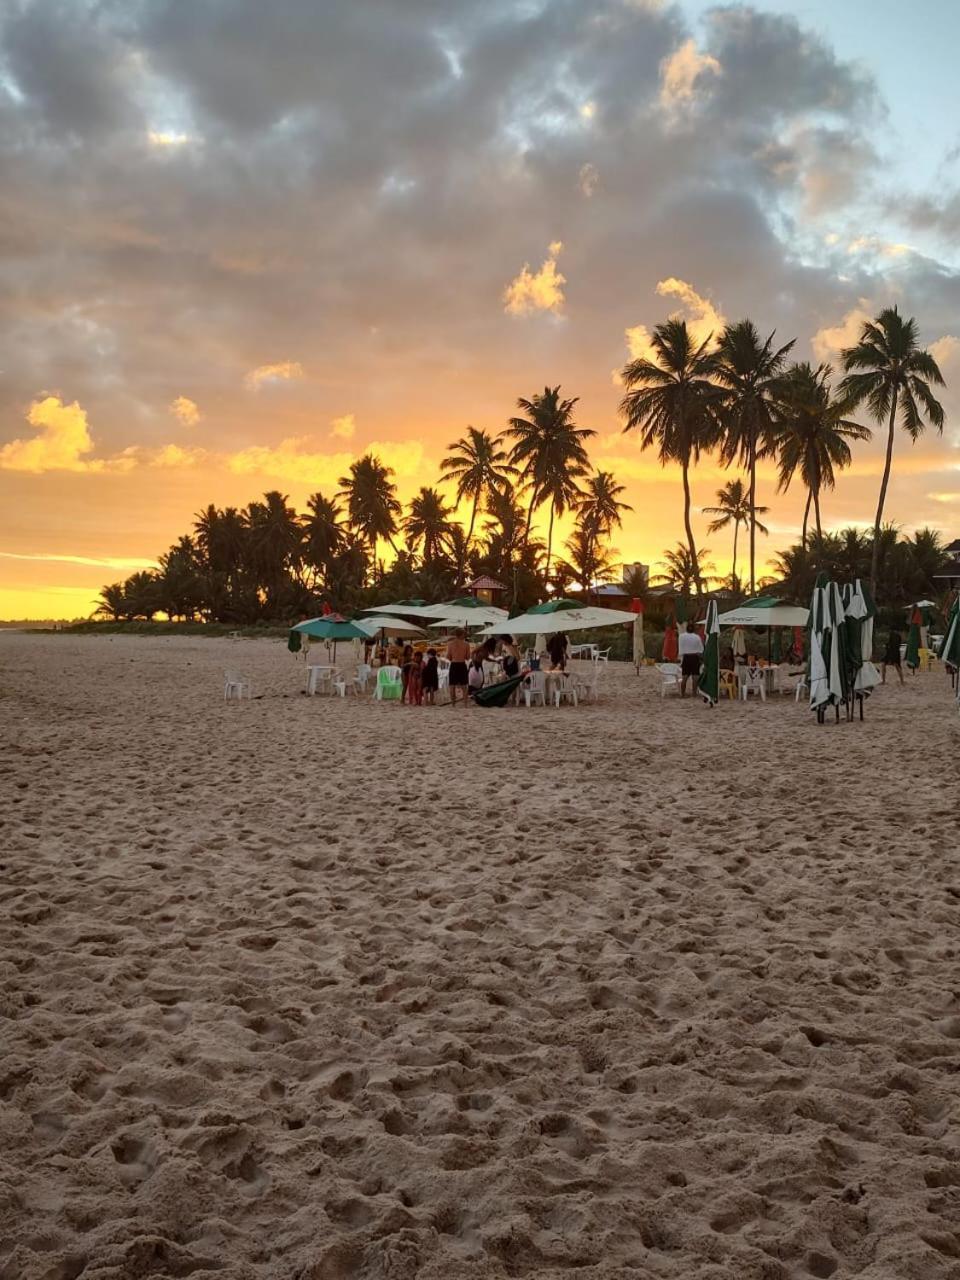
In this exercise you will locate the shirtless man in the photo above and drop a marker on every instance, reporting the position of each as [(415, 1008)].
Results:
[(458, 654)]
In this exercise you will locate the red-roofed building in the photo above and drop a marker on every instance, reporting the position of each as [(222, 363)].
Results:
[(486, 589)]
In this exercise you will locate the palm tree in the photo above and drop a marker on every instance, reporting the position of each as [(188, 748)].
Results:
[(733, 506), (371, 498), (672, 400), (811, 434), (889, 371), (275, 537), (683, 572), (549, 454), (749, 370), (599, 506), (428, 523), (476, 464), (588, 562), (323, 534), (112, 602)]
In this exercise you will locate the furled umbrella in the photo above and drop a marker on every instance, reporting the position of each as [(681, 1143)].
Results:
[(950, 646), (828, 669), (709, 684), (862, 612), (671, 639)]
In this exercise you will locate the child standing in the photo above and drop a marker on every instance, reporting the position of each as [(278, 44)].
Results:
[(415, 680), (431, 678)]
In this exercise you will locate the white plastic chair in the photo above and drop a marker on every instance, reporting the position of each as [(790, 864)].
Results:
[(236, 686), (752, 680), (360, 679), (389, 685), (565, 690), (801, 687), (318, 674), (601, 655), (340, 685), (670, 676), (534, 688)]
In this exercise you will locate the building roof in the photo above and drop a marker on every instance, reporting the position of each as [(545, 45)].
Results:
[(485, 583), (954, 547)]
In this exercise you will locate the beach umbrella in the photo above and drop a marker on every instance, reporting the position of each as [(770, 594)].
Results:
[(913, 640), (574, 617), (332, 627), (829, 674), (950, 645), (709, 684), (467, 606), (861, 613), (480, 616), (403, 608)]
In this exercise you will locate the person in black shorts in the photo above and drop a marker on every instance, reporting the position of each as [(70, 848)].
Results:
[(891, 657), (458, 653), (691, 653)]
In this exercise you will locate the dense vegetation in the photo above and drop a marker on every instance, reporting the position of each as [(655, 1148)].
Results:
[(737, 397)]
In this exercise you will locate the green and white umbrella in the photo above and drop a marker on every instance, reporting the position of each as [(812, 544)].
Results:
[(950, 645), (828, 668), (861, 613), (573, 617), (709, 684), (329, 628)]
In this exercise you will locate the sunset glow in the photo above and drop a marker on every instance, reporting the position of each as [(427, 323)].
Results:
[(365, 232)]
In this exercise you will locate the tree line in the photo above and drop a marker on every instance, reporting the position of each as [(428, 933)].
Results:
[(737, 396)]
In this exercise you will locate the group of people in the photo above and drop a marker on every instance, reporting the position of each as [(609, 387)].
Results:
[(466, 674)]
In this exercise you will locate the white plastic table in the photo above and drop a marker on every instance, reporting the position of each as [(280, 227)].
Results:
[(318, 674)]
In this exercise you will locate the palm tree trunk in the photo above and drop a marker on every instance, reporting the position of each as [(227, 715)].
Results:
[(526, 530), (753, 513), (549, 542), (875, 557), (806, 517), (694, 562), (733, 573), (816, 508)]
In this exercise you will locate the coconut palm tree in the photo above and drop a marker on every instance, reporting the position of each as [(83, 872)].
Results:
[(733, 507), (371, 498), (549, 454), (599, 507), (811, 435), (112, 602), (275, 535), (748, 369), (323, 533), (683, 572), (672, 400), (428, 525), (476, 464), (587, 561), (892, 374)]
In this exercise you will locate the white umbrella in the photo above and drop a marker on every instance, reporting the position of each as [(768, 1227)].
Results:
[(585, 619), (406, 610), (455, 616), (867, 674), (385, 622)]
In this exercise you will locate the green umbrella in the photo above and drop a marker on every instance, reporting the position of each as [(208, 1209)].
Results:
[(556, 606), (776, 647), (913, 641), (829, 669), (950, 645), (330, 628), (709, 684)]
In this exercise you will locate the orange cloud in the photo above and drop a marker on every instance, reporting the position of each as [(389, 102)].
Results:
[(680, 76), (295, 461), (63, 442), (175, 456), (342, 428), (186, 411), (703, 319), (537, 291), (829, 341)]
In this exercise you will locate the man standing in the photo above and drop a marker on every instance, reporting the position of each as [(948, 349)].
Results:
[(458, 653), (691, 651)]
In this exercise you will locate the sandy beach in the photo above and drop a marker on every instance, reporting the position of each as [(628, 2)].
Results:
[(317, 989)]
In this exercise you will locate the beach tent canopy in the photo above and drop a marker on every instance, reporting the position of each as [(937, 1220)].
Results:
[(572, 617), (765, 611)]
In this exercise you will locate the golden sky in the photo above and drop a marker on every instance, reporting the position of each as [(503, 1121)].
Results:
[(241, 252)]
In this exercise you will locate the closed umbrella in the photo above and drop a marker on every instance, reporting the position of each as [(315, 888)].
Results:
[(776, 647), (950, 646), (830, 683), (671, 639), (709, 684), (739, 643), (862, 611)]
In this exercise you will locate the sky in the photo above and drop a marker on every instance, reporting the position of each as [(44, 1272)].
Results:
[(242, 244)]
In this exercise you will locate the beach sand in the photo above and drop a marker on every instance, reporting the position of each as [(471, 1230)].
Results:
[(323, 989)]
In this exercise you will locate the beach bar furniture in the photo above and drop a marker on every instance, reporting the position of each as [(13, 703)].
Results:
[(236, 685), (389, 685), (669, 676)]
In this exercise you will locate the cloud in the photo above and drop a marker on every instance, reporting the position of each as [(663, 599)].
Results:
[(540, 291), (265, 374), (186, 411), (99, 562), (829, 341), (588, 179), (168, 138), (342, 428), (173, 456), (946, 352), (298, 461), (64, 442), (684, 74)]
